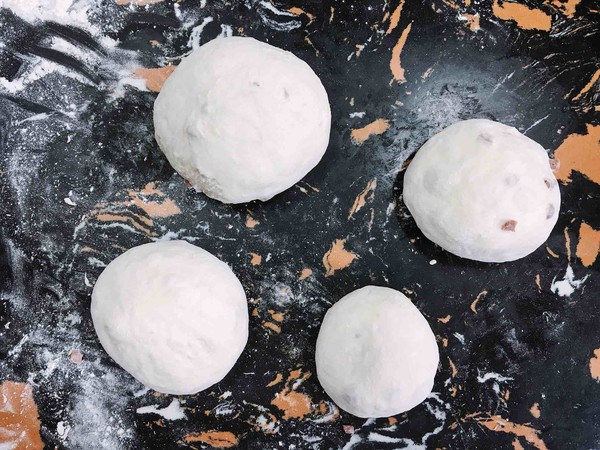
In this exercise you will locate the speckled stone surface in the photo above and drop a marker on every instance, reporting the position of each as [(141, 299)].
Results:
[(82, 180)]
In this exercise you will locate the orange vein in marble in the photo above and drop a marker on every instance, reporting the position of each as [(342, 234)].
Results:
[(588, 246), (451, 4), (479, 297), (535, 410), (216, 439), (251, 222), (538, 282), (299, 11), (472, 20), (337, 257), (106, 217), (525, 17), (588, 86), (164, 207), (595, 365), (277, 380), (566, 7), (445, 319), (361, 199), (155, 77), (295, 405), (265, 423), (517, 445), (19, 420), (395, 63), (581, 153), (530, 434), (256, 259), (568, 243), (272, 326), (306, 272), (151, 200), (453, 368), (395, 17), (277, 316), (378, 126)]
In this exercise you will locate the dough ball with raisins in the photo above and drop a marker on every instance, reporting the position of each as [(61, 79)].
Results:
[(483, 191)]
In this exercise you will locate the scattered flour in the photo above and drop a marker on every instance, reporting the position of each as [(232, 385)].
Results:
[(72, 12), (568, 285), (492, 376), (171, 412)]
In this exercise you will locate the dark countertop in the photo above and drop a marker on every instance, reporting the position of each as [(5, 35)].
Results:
[(82, 180)]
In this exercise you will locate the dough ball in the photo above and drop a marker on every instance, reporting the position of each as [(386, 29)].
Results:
[(242, 120), (376, 354), (172, 315), (483, 191)]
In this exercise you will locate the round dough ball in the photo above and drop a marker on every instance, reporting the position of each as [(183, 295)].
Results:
[(483, 191), (172, 315), (376, 354), (242, 120)]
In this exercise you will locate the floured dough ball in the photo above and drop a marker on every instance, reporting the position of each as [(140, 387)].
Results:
[(172, 315), (483, 191), (376, 354), (242, 120)]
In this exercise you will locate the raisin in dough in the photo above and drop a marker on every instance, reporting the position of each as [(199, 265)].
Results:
[(242, 120), (172, 315), (376, 355), (483, 191)]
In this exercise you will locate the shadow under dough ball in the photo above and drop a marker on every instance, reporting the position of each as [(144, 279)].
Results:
[(172, 315), (483, 191), (242, 120), (376, 355)]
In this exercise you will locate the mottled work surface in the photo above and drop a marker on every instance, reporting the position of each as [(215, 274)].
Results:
[(82, 180)]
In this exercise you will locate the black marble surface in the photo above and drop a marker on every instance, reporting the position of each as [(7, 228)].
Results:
[(79, 132)]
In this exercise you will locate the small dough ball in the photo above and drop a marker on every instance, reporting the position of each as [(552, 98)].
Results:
[(172, 315), (483, 191), (376, 354), (242, 120)]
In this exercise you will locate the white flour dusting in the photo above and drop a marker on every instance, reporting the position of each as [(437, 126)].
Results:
[(96, 415), (171, 412), (568, 285), (492, 376), (196, 34), (72, 12)]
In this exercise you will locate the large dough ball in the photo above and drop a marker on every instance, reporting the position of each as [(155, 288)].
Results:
[(376, 354), (483, 191), (172, 315), (242, 120)]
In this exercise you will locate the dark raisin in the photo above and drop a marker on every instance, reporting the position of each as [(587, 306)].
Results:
[(511, 180), (509, 225), (486, 137)]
